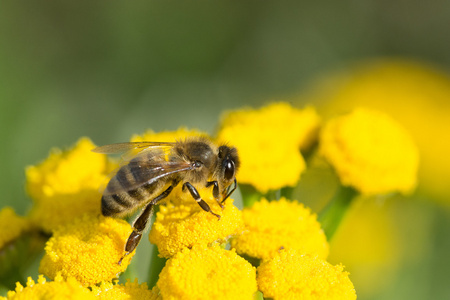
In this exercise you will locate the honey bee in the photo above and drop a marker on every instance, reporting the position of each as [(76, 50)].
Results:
[(158, 167)]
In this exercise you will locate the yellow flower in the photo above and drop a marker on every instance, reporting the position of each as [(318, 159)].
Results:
[(54, 290), (293, 275), (88, 249), (414, 93), (207, 273), (268, 142), (370, 152), (270, 226), (67, 184), (183, 223), (11, 226), (166, 136), (129, 290)]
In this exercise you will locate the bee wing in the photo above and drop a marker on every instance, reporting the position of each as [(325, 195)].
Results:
[(132, 149), (139, 173)]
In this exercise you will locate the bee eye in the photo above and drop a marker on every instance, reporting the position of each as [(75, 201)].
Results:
[(229, 169)]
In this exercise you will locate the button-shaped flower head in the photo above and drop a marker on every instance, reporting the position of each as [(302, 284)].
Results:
[(292, 275), (207, 273), (270, 226), (269, 142), (88, 249), (370, 152)]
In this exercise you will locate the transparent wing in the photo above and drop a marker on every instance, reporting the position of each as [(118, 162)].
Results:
[(124, 147), (139, 174), (145, 168), (133, 149)]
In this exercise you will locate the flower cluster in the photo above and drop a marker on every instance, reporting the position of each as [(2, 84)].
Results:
[(70, 288), (277, 247), (269, 140), (67, 184)]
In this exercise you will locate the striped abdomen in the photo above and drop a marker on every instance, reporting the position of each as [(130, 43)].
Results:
[(130, 188)]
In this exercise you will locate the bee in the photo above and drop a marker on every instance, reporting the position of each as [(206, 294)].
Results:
[(149, 176)]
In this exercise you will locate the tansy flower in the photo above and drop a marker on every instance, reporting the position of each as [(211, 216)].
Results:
[(88, 249), (129, 290), (270, 226), (67, 184), (54, 290), (412, 92), (183, 223), (292, 275), (268, 141), (370, 152), (207, 273), (11, 226)]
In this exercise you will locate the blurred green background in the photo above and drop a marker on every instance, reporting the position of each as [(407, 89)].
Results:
[(109, 69)]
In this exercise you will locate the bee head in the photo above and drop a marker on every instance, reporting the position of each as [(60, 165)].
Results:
[(228, 166)]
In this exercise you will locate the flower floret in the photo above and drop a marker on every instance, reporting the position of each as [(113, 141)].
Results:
[(69, 289), (207, 273), (270, 226), (292, 275), (129, 290), (87, 249), (183, 223)]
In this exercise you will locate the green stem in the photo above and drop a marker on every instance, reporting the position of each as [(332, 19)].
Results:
[(332, 216), (258, 296), (130, 272), (156, 265)]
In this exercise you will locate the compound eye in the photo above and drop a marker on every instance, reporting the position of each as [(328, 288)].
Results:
[(229, 169)]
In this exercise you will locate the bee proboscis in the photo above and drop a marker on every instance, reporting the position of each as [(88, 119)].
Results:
[(150, 176)]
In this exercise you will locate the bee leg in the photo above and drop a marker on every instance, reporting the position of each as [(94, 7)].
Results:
[(215, 191), (141, 222), (229, 192), (196, 196)]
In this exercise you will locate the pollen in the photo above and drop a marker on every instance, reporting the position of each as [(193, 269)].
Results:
[(182, 223), (207, 273), (67, 184), (270, 226), (371, 152), (269, 142), (52, 290), (11, 226), (293, 275), (129, 290), (87, 249)]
